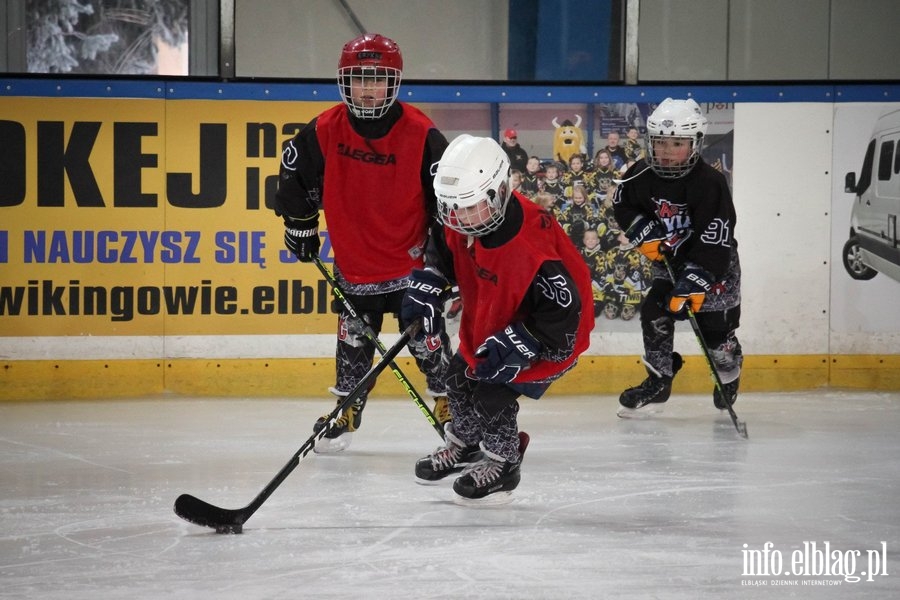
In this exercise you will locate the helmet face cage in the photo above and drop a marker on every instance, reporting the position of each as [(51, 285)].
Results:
[(680, 119), (479, 218), (372, 66), (472, 186)]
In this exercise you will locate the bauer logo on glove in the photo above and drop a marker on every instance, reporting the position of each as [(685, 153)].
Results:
[(647, 235), (424, 300), (427, 288), (690, 290), (506, 353)]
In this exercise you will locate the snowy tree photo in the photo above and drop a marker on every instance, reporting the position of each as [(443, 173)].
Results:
[(115, 37)]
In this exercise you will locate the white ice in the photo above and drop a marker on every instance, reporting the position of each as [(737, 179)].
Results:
[(607, 507)]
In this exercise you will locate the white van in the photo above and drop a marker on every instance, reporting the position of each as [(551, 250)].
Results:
[(873, 246)]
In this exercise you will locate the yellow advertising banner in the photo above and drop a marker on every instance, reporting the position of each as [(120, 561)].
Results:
[(150, 217)]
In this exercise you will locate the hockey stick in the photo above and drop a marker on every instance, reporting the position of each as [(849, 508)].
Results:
[(370, 333), (225, 520), (738, 424)]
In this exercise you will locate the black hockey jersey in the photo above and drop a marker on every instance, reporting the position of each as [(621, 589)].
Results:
[(697, 210)]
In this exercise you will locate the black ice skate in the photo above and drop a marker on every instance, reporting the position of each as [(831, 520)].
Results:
[(730, 390), (491, 480), (651, 394), (340, 434), (452, 457)]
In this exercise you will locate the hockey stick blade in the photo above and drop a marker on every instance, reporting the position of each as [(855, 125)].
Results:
[(225, 520), (198, 512), (739, 424)]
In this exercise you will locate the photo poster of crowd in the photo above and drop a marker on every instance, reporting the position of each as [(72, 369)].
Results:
[(574, 154)]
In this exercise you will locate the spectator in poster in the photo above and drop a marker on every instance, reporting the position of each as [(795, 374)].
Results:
[(634, 151), (532, 178), (616, 152), (604, 172), (518, 158), (548, 202), (577, 175), (553, 184), (595, 258), (515, 180), (580, 215), (623, 289)]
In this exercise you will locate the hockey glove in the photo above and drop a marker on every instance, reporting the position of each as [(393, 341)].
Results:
[(647, 235), (506, 353), (690, 290), (424, 300), (301, 236)]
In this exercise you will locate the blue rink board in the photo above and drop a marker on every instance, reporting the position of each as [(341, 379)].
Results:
[(326, 91)]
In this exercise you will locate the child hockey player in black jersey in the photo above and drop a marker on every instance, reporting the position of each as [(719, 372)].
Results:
[(528, 314), (672, 202)]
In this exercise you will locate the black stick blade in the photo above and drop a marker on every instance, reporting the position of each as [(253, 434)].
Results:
[(225, 520), (196, 511)]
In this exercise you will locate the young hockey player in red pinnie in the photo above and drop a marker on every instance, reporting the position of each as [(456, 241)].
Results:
[(366, 164), (528, 315), (675, 205)]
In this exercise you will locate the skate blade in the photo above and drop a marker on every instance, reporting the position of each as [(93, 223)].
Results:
[(436, 482), (333, 445), (429, 482), (644, 412), (495, 499), (448, 478)]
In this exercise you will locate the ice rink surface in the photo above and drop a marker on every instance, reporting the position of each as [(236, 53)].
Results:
[(674, 507)]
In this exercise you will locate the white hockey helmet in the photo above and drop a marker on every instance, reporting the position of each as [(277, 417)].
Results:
[(370, 58), (472, 185), (676, 119)]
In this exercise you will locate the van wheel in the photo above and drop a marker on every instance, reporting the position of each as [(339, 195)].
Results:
[(853, 261)]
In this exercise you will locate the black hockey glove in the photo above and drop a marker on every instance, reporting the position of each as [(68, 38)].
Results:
[(690, 290), (647, 235), (424, 300), (301, 236), (506, 354)]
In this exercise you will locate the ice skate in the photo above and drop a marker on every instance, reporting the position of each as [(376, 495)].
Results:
[(339, 436), (491, 480), (450, 458), (730, 390), (650, 396)]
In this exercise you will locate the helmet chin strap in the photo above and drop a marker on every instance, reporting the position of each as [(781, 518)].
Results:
[(635, 176)]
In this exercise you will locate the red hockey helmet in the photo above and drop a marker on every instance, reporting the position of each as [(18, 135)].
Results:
[(369, 75)]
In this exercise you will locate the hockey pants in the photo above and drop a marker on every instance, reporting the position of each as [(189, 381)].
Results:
[(483, 412), (355, 352), (718, 329)]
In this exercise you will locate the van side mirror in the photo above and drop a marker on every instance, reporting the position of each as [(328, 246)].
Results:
[(850, 183)]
